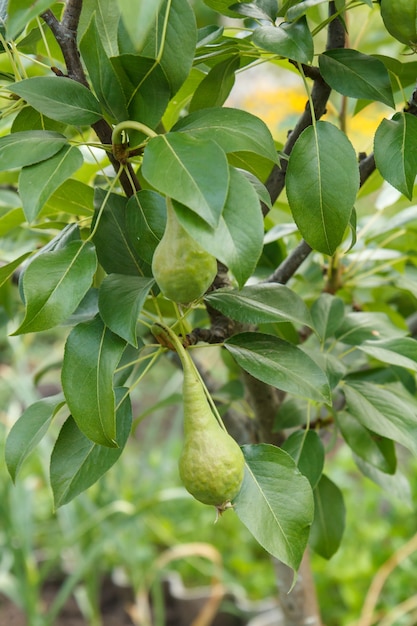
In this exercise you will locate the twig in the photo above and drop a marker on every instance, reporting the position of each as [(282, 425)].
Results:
[(65, 33)]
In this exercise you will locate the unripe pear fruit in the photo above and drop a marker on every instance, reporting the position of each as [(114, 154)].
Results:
[(211, 464), (181, 268)]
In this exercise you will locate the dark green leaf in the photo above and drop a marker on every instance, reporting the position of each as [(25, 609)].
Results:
[(54, 284), (327, 313), (292, 40), (259, 10), (322, 182), (145, 221), (307, 450), (359, 327), (237, 240), (101, 72), (115, 250), (275, 503), (356, 75), (39, 181), (222, 6), (263, 303), (329, 518), (401, 351), (60, 99), (234, 130), (374, 449), (21, 12), (28, 147), (216, 86), (74, 198), (395, 154), (28, 431), (92, 353), (279, 363), (121, 299), (189, 166), (386, 410), (107, 16), (77, 462)]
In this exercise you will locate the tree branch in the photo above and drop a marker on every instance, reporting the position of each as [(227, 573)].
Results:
[(65, 33)]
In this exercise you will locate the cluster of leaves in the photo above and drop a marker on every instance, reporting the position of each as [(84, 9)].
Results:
[(156, 108)]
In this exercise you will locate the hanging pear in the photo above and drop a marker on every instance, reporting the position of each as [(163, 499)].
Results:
[(181, 268)]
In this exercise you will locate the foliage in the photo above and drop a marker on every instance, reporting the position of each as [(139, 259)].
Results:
[(79, 237)]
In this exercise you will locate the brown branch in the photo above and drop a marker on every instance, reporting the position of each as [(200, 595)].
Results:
[(65, 33)]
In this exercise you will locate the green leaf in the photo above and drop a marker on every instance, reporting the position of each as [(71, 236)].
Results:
[(394, 149), (39, 181), (189, 166), (374, 449), (92, 353), (234, 130), (222, 6), (292, 40), (21, 12), (356, 75), (280, 364), (215, 88), (107, 17), (259, 10), (120, 301), (28, 431), (401, 351), (275, 503), (237, 241), (73, 197), (146, 216), (77, 462), (263, 303), (7, 271), (396, 485), (307, 450), (359, 327), (386, 410), (329, 518), (120, 257), (28, 147), (172, 40), (101, 72), (327, 313), (60, 99), (139, 18), (322, 181), (54, 284)]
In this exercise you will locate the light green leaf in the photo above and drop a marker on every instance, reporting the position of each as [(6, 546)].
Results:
[(139, 18), (21, 12), (73, 197), (28, 147), (329, 518), (107, 16), (275, 503), (28, 431), (237, 240), (327, 313), (356, 75), (307, 450), (394, 149), (386, 410), (120, 301), (60, 99), (292, 40), (101, 72), (222, 6), (280, 364), (374, 449), (360, 326), (322, 181), (189, 167), (54, 284), (38, 182), (397, 485), (263, 303), (77, 462), (7, 271), (401, 351), (215, 88), (234, 130), (92, 353)]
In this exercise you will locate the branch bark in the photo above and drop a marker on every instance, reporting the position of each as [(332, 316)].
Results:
[(65, 33)]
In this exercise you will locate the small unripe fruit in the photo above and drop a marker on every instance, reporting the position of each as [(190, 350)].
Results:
[(181, 268)]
